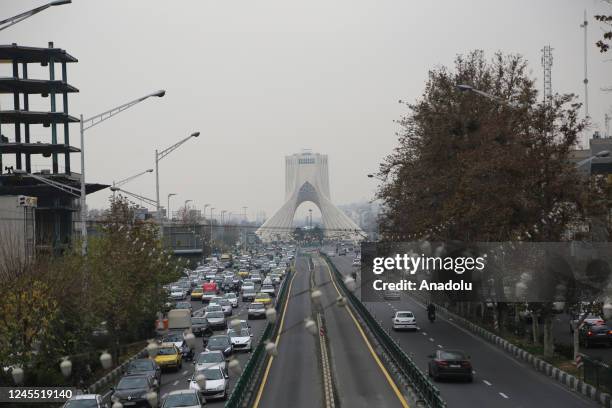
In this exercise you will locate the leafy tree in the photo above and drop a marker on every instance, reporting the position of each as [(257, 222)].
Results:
[(469, 168)]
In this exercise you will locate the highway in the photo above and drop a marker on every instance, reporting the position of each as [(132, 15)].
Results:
[(171, 381), (294, 377), (499, 379)]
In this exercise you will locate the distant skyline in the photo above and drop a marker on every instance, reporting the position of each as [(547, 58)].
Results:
[(264, 79)]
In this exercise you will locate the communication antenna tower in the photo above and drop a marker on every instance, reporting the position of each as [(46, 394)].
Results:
[(547, 61)]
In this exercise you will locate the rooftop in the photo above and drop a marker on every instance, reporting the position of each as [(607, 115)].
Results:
[(14, 52)]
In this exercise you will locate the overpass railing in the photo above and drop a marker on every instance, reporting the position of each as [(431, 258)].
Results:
[(426, 391)]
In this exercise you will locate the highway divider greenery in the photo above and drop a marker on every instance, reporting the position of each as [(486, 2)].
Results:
[(425, 390)]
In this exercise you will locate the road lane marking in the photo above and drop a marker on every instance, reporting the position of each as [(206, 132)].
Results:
[(280, 331), (398, 394), (176, 382), (440, 346), (504, 395), (431, 339), (185, 372), (424, 333), (486, 382)]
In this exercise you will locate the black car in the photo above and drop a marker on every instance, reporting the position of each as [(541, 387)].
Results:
[(450, 364), (132, 390), (200, 326), (596, 334), (145, 366), (220, 342)]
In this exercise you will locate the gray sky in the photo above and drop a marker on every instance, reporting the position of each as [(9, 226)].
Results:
[(265, 78)]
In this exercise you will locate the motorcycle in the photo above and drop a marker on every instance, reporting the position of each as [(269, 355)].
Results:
[(431, 316)]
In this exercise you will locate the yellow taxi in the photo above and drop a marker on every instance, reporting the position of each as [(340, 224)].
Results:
[(169, 356), (243, 273), (263, 298), (196, 293)]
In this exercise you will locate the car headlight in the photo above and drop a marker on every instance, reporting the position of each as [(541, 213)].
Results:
[(220, 388)]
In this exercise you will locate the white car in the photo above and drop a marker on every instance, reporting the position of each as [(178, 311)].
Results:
[(86, 400), (233, 299), (356, 262), (269, 289), (217, 383), (248, 286), (178, 293), (404, 320), (183, 399), (240, 338)]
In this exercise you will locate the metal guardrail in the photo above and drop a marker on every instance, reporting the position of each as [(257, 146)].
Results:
[(242, 396), (423, 387)]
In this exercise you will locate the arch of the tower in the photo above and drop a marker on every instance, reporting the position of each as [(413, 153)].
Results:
[(335, 222)]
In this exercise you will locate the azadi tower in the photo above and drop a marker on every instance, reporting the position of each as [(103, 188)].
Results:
[(307, 179)]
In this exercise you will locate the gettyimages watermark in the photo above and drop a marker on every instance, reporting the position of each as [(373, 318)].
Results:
[(563, 272)]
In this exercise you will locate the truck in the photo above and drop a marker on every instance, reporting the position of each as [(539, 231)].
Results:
[(179, 319)]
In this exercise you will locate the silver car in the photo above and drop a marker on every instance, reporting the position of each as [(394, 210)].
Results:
[(226, 306), (184, 399), (86, 400), (216, 320), (256, 310), (210, 359)]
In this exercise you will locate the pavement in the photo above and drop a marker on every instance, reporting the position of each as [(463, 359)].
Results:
[(172, 381), (295, 375), (499, 380)]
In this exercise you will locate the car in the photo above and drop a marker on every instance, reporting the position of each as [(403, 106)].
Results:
[(268, 288), (356, 262), (243, 273), (209, 359), (255, 278), (264, 298), (214, 307), (200, 326), (391, 294), (86, 401), (217, 383), (590, 335), (256, 310), (247, 286), (144, 366), (216, 320), (196, 293), (240, 338), (404, 320), (232, 298), (131, 391), (184, 305), (248, 296), (207, 295), (169, 356), (342, 252), (243, 324), (175, 337), (178, 293), (226, 306), (450, 364), (220, 342), (184, 399), (588, 321)]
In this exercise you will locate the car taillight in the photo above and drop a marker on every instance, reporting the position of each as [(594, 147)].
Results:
[(589, 333), (609, 331), (441, 363)]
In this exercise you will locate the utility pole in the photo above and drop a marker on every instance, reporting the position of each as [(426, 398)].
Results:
[(586, 80)]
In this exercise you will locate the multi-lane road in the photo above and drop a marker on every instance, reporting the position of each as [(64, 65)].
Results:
[(499, 379), (179, 380), (295, 376)]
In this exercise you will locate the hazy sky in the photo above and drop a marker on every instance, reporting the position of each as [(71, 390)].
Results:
[(261, 79)]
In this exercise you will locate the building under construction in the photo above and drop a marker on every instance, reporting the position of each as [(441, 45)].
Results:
[(35, 147)]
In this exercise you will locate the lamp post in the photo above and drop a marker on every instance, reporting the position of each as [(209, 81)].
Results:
[(204, 212), (222, 216), (211, 226), (186, 208), (603, 153), (22, 16), (128, 179), (168, 207), (469, 88), (158, 156), (89, 123)]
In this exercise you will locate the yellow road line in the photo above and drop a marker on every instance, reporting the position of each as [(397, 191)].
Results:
[(280, 330), (367, 342)]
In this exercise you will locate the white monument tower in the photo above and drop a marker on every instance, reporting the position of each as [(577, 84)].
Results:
[(307, 179)]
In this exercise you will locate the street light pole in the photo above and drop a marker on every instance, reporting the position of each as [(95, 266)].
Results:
[(6, 23), (168, 207), (211, 226), (89, 123), (158, 156), (128, 179)]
